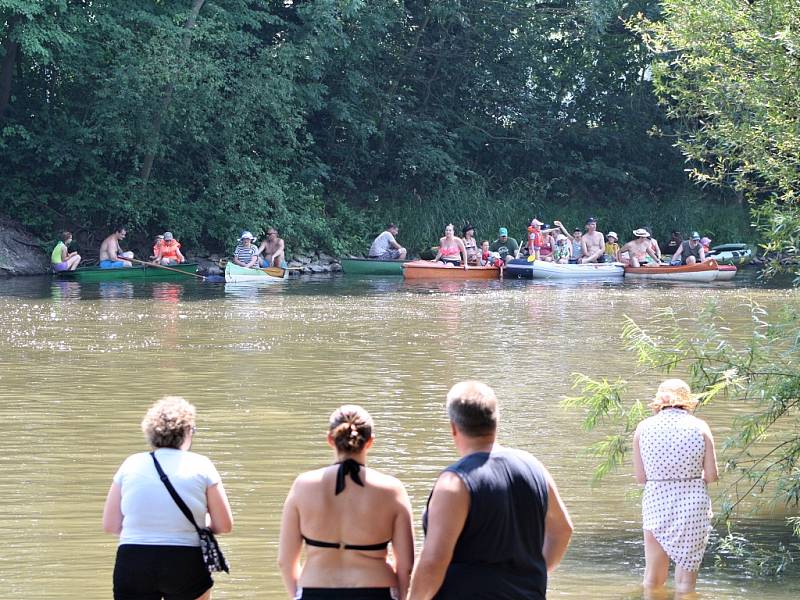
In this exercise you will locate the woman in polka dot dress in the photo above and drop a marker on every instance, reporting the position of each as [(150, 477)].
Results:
[(673, 456)]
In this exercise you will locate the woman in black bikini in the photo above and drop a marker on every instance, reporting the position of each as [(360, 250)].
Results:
[(347, 514)]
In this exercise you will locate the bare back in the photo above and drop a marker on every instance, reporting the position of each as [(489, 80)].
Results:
[(366, 515)]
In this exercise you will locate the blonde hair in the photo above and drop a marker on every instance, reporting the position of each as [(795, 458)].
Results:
[(166, 423), (675, 393), (350, 428), (472, 408)]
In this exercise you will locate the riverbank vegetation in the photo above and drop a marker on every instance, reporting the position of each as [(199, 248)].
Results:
[(726, 72), (329, 118)]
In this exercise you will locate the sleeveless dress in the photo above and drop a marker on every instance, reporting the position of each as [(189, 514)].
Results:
[(676, 507)]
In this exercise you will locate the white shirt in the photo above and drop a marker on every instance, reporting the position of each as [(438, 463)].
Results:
[(149, 514), (382, 244)]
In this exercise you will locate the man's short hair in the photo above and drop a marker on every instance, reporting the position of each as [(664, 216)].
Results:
[(472, 408), (391, 226)]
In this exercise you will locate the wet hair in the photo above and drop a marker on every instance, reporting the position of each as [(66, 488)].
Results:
[(166, 423), (65, 235), (472, 408), (350, 427)]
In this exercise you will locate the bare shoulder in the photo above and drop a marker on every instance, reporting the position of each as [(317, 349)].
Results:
[(385, 482), (309, 479)]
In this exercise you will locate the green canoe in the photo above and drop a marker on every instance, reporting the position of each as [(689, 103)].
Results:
[(137, 272), (372, 266)]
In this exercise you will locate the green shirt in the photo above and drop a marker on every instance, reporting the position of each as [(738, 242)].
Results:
[(55, 257), (510, 246)]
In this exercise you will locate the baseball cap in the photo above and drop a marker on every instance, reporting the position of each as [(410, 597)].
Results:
[(591, 220), (503, 231), (695, 235), (168, 236)]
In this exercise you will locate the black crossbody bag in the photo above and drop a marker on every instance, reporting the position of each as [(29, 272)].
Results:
[(212, 553)]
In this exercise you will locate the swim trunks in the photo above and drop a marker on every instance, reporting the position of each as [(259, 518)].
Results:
[(111, 264)]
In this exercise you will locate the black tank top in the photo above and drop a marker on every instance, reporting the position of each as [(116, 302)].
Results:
[(498, 555)]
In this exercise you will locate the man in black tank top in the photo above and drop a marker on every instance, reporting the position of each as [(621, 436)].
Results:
[(495, 525)]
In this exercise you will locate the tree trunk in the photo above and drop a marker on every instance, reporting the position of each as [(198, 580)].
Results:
[(11, 49), (155, 127)]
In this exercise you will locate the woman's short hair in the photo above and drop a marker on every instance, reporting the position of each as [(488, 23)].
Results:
[(166, 423), (65, 235), (350, 428), (472, 408)]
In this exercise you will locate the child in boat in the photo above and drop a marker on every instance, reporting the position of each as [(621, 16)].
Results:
[(535, 239), (156, 243), (61, 259), (169, 251), (612, 247), (563, 251), (489, 258)]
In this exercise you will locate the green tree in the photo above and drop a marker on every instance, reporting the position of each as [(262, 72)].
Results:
[(726, 70)]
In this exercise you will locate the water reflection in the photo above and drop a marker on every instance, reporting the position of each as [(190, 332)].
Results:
[(65, 289), (112, 290)]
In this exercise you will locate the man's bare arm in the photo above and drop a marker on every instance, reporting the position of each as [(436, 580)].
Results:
[(557, 527), (447, 513)]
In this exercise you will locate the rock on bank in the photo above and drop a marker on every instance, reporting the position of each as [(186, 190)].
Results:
[(20, 252)]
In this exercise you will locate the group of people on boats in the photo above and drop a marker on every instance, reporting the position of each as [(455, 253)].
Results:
[(551, 244), (167, 251), (495, 524)]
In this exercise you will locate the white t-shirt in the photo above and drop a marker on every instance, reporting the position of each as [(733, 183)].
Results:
[(382, 244), (149, 514)]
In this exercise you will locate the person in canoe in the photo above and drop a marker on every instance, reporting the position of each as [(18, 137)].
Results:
[(385, 246), (168, 252), (246, 254), (575, 241), (612, 247), (593, 244), (674, 243), (506, 247), (635, 252), (111, 255), (451, 249), (654, 244), (273, 250), (548, 243), (690, 252), (61, 259), (471, 244), (156, 243), (535, 239), (563, 250)]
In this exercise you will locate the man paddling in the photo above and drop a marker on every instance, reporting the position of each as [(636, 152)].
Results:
[(111, 255)]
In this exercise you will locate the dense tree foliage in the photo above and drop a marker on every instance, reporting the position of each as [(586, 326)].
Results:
[(727, 73), (323, 117)]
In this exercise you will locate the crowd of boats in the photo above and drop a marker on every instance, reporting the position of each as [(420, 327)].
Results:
[(722, 266)]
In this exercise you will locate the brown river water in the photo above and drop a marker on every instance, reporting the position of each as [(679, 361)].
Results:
[(80, 364)]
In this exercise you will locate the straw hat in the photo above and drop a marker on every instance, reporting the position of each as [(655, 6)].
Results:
[(674, 392)]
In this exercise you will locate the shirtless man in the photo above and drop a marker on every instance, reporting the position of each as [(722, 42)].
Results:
[(110, 250), (273, 250), (593, 244), (639, 249)]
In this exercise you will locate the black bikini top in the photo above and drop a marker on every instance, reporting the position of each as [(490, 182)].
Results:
[(352, 468)]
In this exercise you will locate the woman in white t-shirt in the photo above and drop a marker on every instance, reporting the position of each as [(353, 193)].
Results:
[(159, 549)]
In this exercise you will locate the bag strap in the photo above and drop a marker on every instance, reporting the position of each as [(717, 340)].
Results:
[(178, 500)]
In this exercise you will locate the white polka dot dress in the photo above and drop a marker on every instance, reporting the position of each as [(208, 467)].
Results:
[(675, 506)]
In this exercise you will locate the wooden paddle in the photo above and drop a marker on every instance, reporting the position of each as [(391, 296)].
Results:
[(157, 266)]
